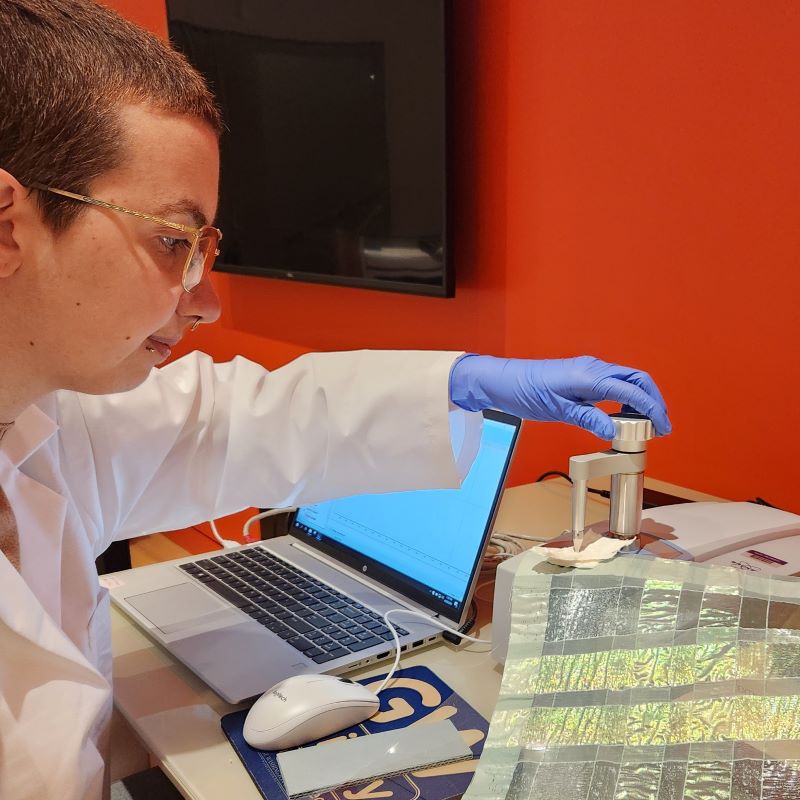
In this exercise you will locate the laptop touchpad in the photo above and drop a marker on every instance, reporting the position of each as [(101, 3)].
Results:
[(181, 607)]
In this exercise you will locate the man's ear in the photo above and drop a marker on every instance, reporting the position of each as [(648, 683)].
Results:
[(13, 195)]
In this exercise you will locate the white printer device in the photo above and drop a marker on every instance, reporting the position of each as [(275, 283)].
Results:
[(748, 536)]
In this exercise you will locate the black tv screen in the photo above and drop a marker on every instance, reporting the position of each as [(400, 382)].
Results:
[(334, 156)]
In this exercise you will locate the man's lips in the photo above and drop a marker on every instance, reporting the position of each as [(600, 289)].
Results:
[(161, 345)]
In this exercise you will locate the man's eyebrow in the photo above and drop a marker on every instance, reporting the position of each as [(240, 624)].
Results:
[(182, 207)]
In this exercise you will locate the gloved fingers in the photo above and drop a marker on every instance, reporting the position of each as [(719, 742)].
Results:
[(591, 419), (640, 379), (631, 395)]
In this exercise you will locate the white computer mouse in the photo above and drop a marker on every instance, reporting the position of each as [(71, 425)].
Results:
[(303, 708)]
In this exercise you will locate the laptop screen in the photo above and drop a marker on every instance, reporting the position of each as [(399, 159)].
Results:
[(427, 544)]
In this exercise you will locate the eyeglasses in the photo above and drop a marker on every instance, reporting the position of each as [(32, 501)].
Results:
[(202, 251)]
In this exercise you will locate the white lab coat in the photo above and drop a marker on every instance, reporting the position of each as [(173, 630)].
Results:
[(194, 442)]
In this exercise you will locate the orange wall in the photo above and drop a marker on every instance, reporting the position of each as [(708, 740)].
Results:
[(627, 184), (654, 219)]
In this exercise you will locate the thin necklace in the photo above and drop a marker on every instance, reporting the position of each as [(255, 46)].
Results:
[(4, 428)]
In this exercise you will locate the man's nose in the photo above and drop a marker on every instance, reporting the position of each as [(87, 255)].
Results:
[(202, 302)]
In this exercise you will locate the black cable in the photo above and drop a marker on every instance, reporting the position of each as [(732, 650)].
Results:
[(760, 501), (473, 616), (452, 636), (553, 472), (557, 473)]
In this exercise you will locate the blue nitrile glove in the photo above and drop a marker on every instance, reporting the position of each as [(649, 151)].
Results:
[(561, 390)]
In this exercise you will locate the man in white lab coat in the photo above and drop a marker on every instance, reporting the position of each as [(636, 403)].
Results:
[(108, 183)]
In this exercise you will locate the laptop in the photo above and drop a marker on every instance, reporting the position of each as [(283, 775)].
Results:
[(312, 601)]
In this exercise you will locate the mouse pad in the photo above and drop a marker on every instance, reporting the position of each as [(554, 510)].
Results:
[(414, 696)]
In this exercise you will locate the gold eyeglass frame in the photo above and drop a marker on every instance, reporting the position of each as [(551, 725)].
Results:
[(196, 233)]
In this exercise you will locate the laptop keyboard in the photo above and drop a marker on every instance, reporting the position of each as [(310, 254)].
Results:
[(315, 619)]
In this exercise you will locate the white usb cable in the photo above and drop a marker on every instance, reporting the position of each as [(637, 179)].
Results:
[(430, 620), (272, 512)]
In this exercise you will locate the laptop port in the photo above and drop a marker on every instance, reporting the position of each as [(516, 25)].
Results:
[(383, 655)]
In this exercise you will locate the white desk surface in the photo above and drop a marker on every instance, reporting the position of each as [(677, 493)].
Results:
[(177, 717)]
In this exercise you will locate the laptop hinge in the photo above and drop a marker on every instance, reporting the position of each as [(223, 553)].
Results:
[(351, 573)]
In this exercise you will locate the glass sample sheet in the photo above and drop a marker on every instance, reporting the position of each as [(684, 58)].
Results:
[(647, 679)]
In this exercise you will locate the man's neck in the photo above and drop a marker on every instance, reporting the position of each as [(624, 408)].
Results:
[(20, 383), (11, 406)]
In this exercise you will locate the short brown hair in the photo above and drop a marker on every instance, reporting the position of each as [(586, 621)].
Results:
[(66, 66)]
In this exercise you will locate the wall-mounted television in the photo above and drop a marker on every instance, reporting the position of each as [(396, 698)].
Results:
[(334, 161)]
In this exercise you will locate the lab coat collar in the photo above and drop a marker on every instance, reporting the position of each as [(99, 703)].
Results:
[(39, 511), (31, 430)]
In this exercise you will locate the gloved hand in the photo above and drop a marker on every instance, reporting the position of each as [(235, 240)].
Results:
[(562, 389)]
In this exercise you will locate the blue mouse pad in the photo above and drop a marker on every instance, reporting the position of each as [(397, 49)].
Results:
[(413, 694)]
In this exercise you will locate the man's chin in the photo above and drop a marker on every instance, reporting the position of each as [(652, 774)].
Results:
[(115, 383)]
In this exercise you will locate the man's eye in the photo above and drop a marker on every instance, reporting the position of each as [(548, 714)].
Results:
[(172, 245)]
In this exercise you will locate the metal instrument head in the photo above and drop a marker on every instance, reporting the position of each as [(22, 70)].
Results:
[(632, 432)]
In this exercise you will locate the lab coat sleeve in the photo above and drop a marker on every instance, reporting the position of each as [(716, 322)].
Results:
[(199, 440)]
